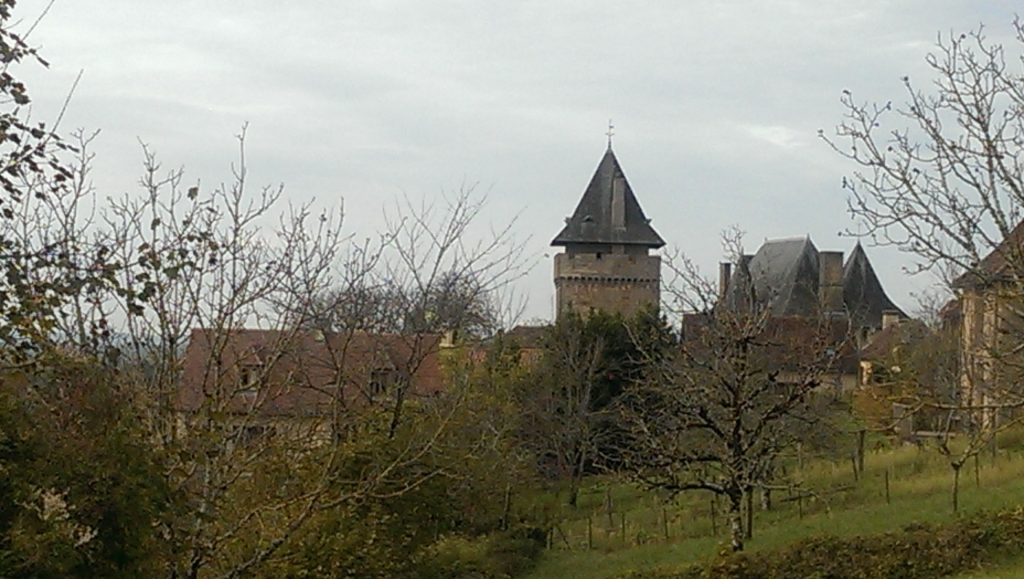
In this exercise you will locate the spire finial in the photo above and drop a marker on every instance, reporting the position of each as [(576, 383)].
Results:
[(610, 133)]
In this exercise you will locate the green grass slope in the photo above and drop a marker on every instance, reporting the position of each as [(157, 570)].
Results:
[(672, 535)]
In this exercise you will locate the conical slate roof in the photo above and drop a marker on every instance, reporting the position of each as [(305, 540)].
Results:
[(609, 213), (863, 294)]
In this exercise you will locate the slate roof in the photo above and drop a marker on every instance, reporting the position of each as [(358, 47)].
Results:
[(784, 275), (598, 220), (863, 294)]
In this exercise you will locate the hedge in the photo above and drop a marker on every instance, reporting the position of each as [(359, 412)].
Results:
[(918, 551)]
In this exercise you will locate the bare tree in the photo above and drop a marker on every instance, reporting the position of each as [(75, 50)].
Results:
[(717, 414), (155, 285), (563, 423), (941, 177), (434, 275), (194, 274)]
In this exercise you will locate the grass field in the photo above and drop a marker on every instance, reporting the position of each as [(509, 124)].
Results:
[(675, 534)]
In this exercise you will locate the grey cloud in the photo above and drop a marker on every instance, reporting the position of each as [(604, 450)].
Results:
[(717, 104)]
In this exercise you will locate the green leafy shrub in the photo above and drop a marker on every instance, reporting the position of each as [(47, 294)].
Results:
[(495, 556)]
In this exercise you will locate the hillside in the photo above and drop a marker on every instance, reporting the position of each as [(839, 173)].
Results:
[(672, 535)]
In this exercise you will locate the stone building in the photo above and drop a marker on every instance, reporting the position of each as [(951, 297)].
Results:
[(990, 316), (792, 278), (607, 264), (812, 296)]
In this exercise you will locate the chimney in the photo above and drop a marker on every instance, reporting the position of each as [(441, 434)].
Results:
[(890, 318), (448, 339), (724, 275), (830, 282)]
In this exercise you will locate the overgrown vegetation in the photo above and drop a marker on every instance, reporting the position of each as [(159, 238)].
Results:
[(608, 442), (839, 504), (919, 551)]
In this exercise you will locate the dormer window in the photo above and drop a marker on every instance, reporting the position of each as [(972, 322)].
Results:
[(382, 382), (249, 377)]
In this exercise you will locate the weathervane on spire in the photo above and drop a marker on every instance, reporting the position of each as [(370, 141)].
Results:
[(610, 133)]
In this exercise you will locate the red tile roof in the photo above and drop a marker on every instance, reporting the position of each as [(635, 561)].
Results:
[(300, 373), (994, 265)]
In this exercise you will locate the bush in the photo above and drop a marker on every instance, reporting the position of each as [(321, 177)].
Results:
[(916, 552), (494, 556)]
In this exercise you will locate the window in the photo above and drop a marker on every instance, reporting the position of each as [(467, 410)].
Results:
[(249, 376), (382, 380)]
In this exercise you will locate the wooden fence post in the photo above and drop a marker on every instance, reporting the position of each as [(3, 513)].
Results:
[(861, 435), (507, 507), (608, 507), (664, 522), (590, 532), (977, 472), (750, 514), (622, 519), (714, 516), (888, 500)]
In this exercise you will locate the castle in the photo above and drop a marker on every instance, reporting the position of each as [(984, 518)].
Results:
[(607, 265)]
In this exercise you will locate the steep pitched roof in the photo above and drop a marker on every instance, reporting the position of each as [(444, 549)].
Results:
[(784, 274), (993, 266), (863, 294), (608, 212)]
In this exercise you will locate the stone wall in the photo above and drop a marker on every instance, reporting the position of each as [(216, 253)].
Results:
[(613, 282)]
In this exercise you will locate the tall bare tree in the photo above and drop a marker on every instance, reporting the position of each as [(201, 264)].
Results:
[(563, 422), (739, 391), (941, 177)]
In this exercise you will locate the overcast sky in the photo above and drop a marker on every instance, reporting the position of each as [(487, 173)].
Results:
[(716, 104)]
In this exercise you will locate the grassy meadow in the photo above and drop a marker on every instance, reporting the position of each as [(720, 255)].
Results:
[(673, 534)]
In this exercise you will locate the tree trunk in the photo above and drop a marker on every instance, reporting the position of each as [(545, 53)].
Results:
[(736, 521), (749, 534), (956, 487), (576, 477)]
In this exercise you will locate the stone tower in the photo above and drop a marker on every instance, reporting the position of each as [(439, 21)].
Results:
[(606, 265)]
